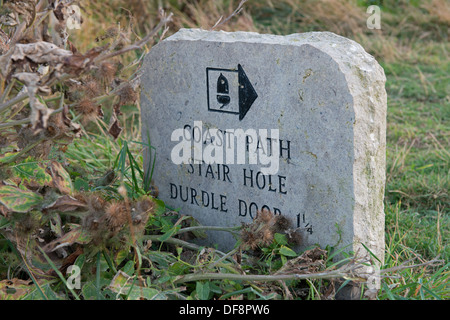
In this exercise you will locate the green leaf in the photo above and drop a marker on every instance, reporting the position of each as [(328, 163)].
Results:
[(109, 261), (81, 259), (128, 268), (4, 222), (18, 200), (160, 206), (161, 258), (47, 293), (285, 251), (120, 255), (283, 261), (371, 253), (179, 268), (89, 291), (123, 284), (173, 230), (119, 281), (280, 239), (32, 170), (431, 293), (137, 293), (80, 184), (202, 289), (169, 233)]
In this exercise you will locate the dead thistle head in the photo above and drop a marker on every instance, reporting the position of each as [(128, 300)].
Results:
[(127, 95), (261, 232), (88, 110)]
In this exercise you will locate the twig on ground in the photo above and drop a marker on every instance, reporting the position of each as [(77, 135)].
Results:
[(343, 272), (403, 266)]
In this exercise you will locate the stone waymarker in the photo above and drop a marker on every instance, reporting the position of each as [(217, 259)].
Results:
[(294, 124)]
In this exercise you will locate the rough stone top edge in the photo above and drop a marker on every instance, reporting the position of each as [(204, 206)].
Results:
[(340, 47), (254, 37), (296, 39)]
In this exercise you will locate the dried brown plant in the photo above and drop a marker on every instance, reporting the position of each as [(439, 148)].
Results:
[(261, 232), (43, 76)]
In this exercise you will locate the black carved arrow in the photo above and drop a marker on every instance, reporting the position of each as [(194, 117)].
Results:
[(247, 94)]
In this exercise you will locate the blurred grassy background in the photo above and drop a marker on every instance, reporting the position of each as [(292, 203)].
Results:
[(412, 46)]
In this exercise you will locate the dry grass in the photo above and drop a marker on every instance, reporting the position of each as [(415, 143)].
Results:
[(394, 42), (204, 14), (440, 9)]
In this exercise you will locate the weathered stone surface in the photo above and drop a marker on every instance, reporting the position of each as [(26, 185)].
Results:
[(321, 93)]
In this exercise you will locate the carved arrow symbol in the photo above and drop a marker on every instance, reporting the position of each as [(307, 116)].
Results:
[(247, 94)]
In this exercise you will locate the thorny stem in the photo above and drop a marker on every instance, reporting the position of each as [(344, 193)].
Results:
[(345, 272), (13, 101), (24, 150), (228, 255), (23, 121), (13, 114), (8, 90), (17, 35), (44, 16), (27, 120), (14, 123), (173, 241), (214, 228)]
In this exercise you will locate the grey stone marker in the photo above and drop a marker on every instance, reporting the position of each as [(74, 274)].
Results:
[(295, 124)]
